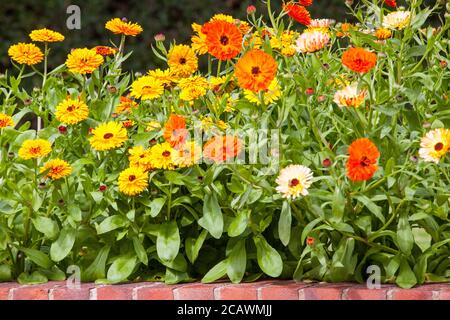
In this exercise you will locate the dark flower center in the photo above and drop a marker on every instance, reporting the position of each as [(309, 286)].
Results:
[(70, 109), (438, 146), (182, 60), (365, 162), (108, 136), (256, 71), (132, 178), (294, 183), (224, 40), (166, 154)]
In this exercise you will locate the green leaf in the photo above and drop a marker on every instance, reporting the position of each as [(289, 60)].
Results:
[(140, 251), (5, 273), (38, 257), (309, 228), (369, 204), (193, 246), (405, 237), (212, 219), (111, 223), (422, 238), (338, 204), (46, 226), (35, 278), (406, 278), (156, 205), (239, 223), (216, 272), (237, 262), (285, 223), (96, 270), (62, 246), (268, 258), (53, 274), (168, 241), (121, 268)]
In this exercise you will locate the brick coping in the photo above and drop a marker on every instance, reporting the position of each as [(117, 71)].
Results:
[(262, 290)]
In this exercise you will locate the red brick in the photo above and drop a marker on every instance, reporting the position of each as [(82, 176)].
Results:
[(32, 292), (5, 288), (444, 294), (115, 292), (364, 293), (243, 291), (66, 293), (410, 294), (282, 290), (195, 292), (156, 291), (323, 292)]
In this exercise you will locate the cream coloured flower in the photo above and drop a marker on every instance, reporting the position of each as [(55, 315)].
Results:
[(350, 96), (312, 40), (397, 20), (294, 181), (434, 145)]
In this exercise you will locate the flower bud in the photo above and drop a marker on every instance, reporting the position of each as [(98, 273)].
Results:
[(160, 37), (310, 241), (102, 188), (251, 9), (112, 89), (321, 98), (309, 91), (349, 2), (11, 155), (124, 19), (327, 162), (27, 102), (62, 129), (42, 185), (443, 64)]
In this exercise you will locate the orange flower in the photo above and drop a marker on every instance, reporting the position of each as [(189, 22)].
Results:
[(305, 3), (359, 60), (362, 162), (298, 13), (255, 70), (222, 148), (223, 39), (122, 26), (391, 3), (175, 131), (105, 50)]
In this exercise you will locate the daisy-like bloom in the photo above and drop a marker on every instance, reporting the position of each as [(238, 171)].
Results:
[(199, 40), (189, 154), (391, 3), (175, 132), (397, 20), (107, 136), (222, 148), (46, 35), (193, 88), (147, 88), (105, 50), (272, 94), (5, 121), (285, 43), (223, 39), (182, 61), (83, 61), (25, 53), (126, 105), (321, 23), (383, 33), (312, 41), (56, 169), (33, 149), (140, 158), (362, 162), (119, 26), (256, 70), (164, 76), (216, 83), (350, 96), (298, 13), (294, 181), (133, 181), (162, 156), (72, 111), (434, 145), (359, 60)]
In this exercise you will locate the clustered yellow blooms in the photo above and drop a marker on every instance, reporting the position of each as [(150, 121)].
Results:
[(193, 88), (71, 111), (285, 43)]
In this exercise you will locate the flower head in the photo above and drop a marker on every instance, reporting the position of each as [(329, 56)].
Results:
[(182, 61), (359, 60), (126, 105), (164, 76), (72, 111), (33, 149), (25, 53), (107, 136), (147, 88), (362, 161), (434, 145), (46, 35), (312, 41), (223, 39), (162, 156), (350, 96), (193, 88), (272, 94), (119, 26), (397, 20), (140, 158), (305, 3), (56, 169), (175, 132), (383, 33), (105, 50), (222, 148), (133, 181), (5, 121), (256, 70), (391, 3), (83, 61), (298, 13), (294, 181), (188, 154)]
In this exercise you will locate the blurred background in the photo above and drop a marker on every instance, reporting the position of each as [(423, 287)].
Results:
[(171, 17)]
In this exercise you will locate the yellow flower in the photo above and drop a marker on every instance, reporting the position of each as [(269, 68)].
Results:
[(153, 126), (83, 61), (199, 44), (350, 96), (397, 20), (383, 33), (72, 111), (182, 61), (33, 149), (133, 181), (192, 88), (26, 53), (285, 43), (272, 94), (126, 105), (118, 26), (162, 156), (56, 169), (164, 76), (222, 17), (434, 145), (140, 158), (189, 154), (5, 121), (108, 136), (147, 88), (46, 35)]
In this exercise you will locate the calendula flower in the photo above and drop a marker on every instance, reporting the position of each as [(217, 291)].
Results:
[(175, 132), (359, 60), (391, 3), (397, 20), (222, 148), (434, 145), (344, 29), (188, 155), (350, 96), (83, 61), (119, 26), (305, 3), (140, 158), (107, 136), (33, 149), (5, 121), (312, 41), (162, 156), (133, 181), (298, 13), (46, 35), (25, 53), (71, 111), (182, 61), (321, 23), (272, 94), (223, 39), (216, 83), (164, 76), (285, 43), (147, 88), (294, 181), (198, 40), (256, 70), (56, 169), (105, 50), (383, 33), (126, 105), (193, 88), (362, 161)]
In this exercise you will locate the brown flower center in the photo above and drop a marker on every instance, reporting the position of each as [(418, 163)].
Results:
[(438, 146), (166, 153), (256, 71), (108, 136), (294, 183), (224, 40), (70, 108), (182, 60), (132, 177), (365, 162)]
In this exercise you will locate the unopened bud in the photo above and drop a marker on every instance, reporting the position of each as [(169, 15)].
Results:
[(251, 9), (160, 37)]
